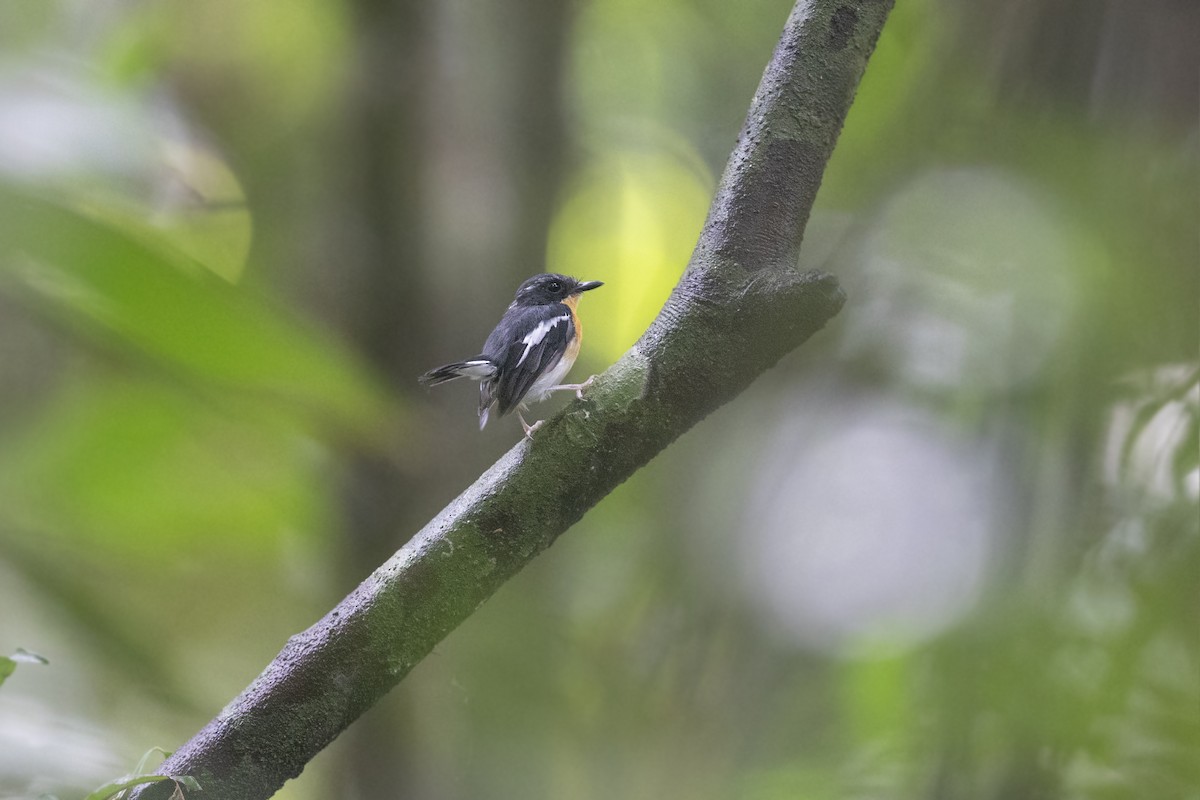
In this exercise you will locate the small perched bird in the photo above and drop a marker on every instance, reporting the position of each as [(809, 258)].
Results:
[(530, 351)]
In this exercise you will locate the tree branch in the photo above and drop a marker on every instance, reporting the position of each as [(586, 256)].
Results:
[(739, 307)]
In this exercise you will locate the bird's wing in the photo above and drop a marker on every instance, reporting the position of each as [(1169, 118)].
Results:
[(527, 342)]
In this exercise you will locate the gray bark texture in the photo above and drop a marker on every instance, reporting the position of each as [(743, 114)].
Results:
[(739, 307)]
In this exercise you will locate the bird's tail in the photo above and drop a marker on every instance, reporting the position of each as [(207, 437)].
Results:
[(478, 368)]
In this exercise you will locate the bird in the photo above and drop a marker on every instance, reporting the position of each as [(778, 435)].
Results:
[(531, 349)]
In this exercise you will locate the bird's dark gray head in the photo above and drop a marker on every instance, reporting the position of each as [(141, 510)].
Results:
[(550, 287)]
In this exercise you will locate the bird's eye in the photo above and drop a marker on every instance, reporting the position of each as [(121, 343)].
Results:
[(554, 286)]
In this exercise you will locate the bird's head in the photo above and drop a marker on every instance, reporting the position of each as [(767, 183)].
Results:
[(550, 287)]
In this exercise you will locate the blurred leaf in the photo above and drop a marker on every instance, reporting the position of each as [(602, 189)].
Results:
[(129, 781), (145, 470), (1158, 451), (144, 761), (138, 778), (119, 290), (199, 209), (135, 49), (23, 656), (8, 664)]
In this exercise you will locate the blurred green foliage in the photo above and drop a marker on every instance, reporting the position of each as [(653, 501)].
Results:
[(141, 776), (949, 550)]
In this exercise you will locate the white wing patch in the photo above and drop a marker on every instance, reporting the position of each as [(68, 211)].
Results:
[(478, 370), (535, 336)]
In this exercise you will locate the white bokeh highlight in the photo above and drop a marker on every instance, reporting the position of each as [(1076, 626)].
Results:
[(871, 527)]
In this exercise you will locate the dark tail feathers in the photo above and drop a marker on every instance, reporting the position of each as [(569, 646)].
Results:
[(477, 368)]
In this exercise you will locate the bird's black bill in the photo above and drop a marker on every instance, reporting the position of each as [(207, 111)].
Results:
[(588, 286)]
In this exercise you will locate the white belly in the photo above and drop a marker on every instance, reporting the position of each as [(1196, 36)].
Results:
[(552, 377)]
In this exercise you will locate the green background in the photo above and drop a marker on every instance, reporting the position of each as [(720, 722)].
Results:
[(949, 549)]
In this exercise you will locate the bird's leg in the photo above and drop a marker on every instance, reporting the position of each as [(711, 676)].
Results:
[(529, 429), (577, 388)]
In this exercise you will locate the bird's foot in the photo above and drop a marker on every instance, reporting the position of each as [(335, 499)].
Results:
[(529, 429), (577, 388)]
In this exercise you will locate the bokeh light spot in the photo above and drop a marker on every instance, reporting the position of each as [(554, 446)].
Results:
[(631, 221)]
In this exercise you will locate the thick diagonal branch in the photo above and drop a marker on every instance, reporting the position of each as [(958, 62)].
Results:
[(739, 307)]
